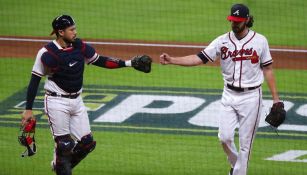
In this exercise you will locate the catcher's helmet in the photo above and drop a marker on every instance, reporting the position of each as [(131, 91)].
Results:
[(62, 22)]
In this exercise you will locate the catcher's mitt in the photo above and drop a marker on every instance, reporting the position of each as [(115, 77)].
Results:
[(141, 63), (26, 137), (277, 115)]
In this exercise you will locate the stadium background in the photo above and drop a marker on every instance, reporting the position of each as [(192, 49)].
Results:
[(147, 143)]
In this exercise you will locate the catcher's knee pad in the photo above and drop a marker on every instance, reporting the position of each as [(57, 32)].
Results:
[(82, 149), (64, 147)]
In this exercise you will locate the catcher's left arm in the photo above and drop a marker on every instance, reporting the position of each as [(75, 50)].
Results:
[(141, 63)]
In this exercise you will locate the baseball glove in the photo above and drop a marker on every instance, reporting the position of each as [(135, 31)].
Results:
[(141, 63), (26, 137), (277, 115)]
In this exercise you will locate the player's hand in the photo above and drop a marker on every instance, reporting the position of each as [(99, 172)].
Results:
[(276, 100), (26, 116), (165, 59)]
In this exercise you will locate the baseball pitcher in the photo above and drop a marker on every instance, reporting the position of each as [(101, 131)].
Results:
[(245, 60)]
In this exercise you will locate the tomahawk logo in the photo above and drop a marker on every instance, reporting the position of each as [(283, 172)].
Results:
[(236, 13)]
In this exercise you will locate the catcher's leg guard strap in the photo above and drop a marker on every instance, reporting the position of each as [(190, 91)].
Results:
[(82, 149), (64, 147)]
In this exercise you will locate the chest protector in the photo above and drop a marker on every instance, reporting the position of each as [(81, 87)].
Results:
[(70, 66)]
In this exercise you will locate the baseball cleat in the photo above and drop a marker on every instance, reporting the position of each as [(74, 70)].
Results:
[(52, 165)]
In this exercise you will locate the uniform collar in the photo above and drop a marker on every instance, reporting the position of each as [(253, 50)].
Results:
[(60, 47), (245, 38), (57, 44)]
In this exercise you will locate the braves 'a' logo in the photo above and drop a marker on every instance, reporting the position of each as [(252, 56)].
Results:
[(238, 55), (237, 12)]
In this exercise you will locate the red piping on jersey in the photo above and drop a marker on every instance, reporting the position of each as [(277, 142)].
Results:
[(47, 112), (68, 49), (254, 130), (234, 67), (240, 73), (242, 59), (249, 40)]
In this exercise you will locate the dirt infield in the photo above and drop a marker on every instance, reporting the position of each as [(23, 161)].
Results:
[(126, 49)]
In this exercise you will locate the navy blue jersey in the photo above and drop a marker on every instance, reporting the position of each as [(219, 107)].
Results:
[(67, 65)]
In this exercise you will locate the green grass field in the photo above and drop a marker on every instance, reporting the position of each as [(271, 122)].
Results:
[(160, 20), (131, 152), (122, 153), (202, 77)]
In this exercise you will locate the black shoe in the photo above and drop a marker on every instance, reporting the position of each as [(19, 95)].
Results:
[(231, 170), (52, 166)]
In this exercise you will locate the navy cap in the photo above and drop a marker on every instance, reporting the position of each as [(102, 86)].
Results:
[(238, 13), (62, 22)]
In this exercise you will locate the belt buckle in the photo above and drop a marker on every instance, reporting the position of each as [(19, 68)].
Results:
[(56, 94)]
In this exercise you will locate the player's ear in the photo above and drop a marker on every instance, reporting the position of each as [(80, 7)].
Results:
[(61, 32), (247, 21)]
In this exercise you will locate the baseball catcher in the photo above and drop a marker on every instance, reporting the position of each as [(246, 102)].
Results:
[(277, 115), (26, 137), (63, 61), (142, 63)]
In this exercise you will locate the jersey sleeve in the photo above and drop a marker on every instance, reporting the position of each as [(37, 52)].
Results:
[(211, 52), (38, 67), (266, 58), (89, 53)]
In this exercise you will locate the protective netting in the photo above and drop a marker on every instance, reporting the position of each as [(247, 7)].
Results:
[(165, 122)]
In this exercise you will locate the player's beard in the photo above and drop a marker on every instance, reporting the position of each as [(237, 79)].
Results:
[(238, 29), (69, 41)]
